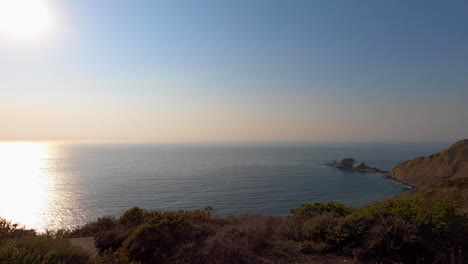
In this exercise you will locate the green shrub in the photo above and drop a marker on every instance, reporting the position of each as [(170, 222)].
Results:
[(24, 246), (9, 230), (133, 217), (115, 257), (331, 232), (110, 239), (321, 228), (11, 254), (352, 228), (149, 243), (427, 213), (208, 211), (41, 250), (310, 210), (156, 240)]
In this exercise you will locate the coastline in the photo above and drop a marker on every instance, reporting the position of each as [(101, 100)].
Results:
[(420, 216), (406, 184)]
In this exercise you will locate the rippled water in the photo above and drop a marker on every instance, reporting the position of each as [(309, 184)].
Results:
[(65, 185)]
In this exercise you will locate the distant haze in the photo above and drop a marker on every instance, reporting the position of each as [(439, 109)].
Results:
[(211, 71)]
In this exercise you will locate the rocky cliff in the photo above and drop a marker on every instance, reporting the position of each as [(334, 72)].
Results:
[(450, 163)]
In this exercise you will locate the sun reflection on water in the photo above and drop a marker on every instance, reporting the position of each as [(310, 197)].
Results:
[(24, 183)]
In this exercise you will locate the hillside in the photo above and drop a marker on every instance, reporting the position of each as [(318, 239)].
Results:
[(451, 163)]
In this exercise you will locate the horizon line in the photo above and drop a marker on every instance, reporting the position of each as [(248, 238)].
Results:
[(154, 142)]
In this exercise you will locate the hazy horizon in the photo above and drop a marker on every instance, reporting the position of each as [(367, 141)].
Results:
[(244, 71)]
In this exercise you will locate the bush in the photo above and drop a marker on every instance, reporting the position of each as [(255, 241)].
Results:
[(10, 253), (91, 229), (110, 239), (310, 210), (9, 230), (290, 227), (115, 257), (148, 244), (329, 232), (322, 228), (229, 245), (435, 215), (409, 229), (41, 250), (352, 228), (24, 246), (392, 236), (133, 217), (156, 240)]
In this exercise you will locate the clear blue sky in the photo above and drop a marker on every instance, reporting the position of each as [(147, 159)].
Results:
[(177, 71)]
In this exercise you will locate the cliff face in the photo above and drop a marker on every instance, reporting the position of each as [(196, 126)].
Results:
[(450, 163)]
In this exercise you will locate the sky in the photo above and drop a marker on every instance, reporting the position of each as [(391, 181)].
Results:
[(238, 71)]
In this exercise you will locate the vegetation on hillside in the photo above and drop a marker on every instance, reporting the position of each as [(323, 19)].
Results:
[(450, 163), (420, 227), (25, 246)]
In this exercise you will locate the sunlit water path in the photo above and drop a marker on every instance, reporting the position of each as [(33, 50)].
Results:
[(50, 186)]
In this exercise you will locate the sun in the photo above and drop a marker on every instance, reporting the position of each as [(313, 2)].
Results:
[(24, 18)]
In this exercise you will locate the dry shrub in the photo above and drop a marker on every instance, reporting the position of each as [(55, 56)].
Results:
[(395, 238), (290, 228), (257, 229), (321, 228), (391, 234), (229, 245), (239, 240)]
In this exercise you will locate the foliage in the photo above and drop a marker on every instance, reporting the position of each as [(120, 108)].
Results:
[(427, 213), (315, 209), (115, 257), (24, 246), (93, 228), (11, 253), (133, 216), (423, 227)]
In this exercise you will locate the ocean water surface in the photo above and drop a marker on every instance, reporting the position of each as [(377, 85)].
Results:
[(51, 186)]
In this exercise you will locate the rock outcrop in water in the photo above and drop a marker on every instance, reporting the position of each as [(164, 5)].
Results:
[(349, 164), (450, 163)]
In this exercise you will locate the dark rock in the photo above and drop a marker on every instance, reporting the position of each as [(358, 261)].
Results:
[(349, 164)]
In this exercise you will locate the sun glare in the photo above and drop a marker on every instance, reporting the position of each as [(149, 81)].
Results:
[(23, 182), (24, 18)]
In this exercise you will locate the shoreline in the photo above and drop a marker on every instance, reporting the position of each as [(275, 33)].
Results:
[(408, 185)]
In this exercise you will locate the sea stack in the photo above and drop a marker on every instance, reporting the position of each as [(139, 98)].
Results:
[(349, 164)]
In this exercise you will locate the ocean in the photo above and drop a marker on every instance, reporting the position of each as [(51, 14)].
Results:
[(52, 186)]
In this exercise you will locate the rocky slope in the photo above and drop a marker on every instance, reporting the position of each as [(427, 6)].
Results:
[(450, 163)]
